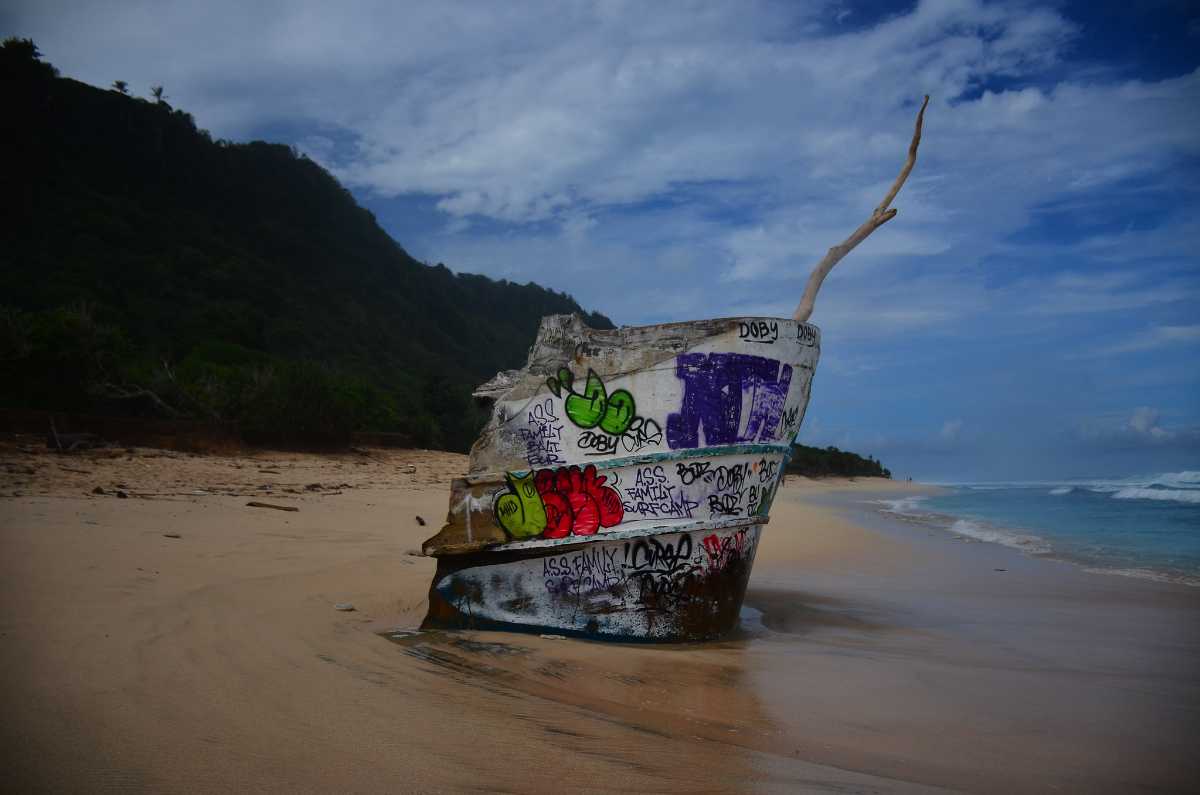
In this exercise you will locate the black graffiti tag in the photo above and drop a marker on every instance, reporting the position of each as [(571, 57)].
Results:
[(766, 331)]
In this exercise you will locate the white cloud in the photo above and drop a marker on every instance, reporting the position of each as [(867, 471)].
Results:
[(951, 429), (1141, 428), (1110, 291), (1151, 339), (1145, 422)]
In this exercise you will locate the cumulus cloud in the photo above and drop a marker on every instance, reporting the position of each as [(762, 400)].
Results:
[(1144, 422), (1142, 428)]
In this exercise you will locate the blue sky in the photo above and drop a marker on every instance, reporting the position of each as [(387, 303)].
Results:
[(1030, 313)]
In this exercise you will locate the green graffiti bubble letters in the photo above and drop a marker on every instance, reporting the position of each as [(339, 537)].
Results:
[(613, 413), (565, 379), (618, 416), (588, 409), (520, 510)]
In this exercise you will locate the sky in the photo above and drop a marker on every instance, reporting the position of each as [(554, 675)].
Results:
[(1031, 312)]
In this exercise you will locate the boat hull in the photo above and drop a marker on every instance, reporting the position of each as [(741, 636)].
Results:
[(665, 587), (622, 482)]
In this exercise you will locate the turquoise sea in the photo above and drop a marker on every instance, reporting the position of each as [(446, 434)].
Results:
[(1139, 526)]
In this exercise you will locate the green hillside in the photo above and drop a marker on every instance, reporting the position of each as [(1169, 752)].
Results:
[(148, 270)]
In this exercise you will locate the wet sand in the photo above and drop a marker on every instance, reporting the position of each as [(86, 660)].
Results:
[(874, 658)]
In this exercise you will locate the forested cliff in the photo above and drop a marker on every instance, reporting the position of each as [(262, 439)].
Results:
[(149, 270)]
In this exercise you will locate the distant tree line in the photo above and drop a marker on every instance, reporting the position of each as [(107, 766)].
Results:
[(817, 462)]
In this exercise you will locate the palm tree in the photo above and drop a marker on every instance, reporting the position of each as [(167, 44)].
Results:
[(159, 96), (120, 86)]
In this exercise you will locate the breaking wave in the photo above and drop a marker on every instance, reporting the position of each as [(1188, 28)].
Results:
[(1176, 495), (981, 532)]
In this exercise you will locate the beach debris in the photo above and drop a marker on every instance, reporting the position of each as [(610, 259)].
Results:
[(70, 442), (98, 490), (411, 469), (345, 607), (313, 487), (172, 535), (122, 495), (416, 553), (553, 637), (420, 521), (999, 569), (270, 472), (879, 216), (73, 469), (269, 505)]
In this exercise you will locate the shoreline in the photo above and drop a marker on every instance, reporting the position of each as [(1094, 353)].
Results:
[(177, 640), (911, 510), (997, 654)]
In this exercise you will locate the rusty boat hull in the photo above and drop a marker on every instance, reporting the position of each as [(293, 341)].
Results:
[(623, 482), (665, 587)]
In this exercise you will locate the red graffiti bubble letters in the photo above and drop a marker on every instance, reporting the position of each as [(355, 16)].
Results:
[(558, 515), (577, 501)]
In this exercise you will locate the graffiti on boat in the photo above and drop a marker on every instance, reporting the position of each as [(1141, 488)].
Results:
[(639, 586), (555, 503), (716, 386), (621, 486)]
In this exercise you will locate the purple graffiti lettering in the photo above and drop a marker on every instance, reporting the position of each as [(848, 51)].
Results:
[(716, 385)]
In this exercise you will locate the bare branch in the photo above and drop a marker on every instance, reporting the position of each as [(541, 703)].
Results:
[(880, 216), (115, 392)]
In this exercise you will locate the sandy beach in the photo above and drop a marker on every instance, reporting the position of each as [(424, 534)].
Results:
[(175, 639)]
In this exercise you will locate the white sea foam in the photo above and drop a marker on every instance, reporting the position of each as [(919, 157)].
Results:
[(1061, 490), (1008, 538), (1149, 574), (1189, 480), (904, 505), (1191, 496), (1180, 480), (751, 620)]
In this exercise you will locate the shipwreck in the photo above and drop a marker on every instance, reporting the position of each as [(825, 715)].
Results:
[(625, 477)]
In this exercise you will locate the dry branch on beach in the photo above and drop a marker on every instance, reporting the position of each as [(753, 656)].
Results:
[(880, 216)]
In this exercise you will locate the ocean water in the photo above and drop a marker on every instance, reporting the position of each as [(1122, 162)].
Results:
[(1141, 527)]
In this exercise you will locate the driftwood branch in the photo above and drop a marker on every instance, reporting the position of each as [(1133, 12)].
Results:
[(115, 392), (880, 216)]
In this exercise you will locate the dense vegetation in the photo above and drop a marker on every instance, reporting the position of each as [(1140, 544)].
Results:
[(148, 270), (815, 462)]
